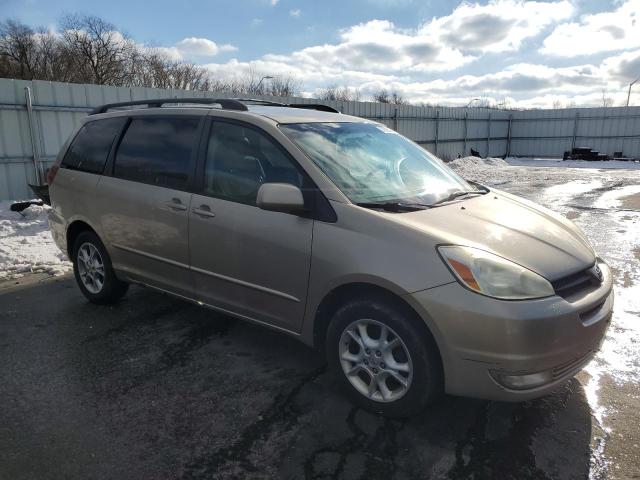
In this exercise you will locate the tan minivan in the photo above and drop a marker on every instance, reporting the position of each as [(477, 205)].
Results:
[(340, 232)]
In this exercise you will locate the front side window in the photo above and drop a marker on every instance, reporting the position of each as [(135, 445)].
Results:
[(157, 151), (89, 150), (240, 159), (370, 163)]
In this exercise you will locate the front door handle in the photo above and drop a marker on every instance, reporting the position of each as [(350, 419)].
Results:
[(204, 211), (176, 204)]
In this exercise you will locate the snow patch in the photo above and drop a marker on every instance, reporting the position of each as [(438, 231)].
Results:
[(613, 198), (26, 245), (558, 162)]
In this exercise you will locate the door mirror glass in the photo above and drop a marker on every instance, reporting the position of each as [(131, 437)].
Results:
[(280, 197)]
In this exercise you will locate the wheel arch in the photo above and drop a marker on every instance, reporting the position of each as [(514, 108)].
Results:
[(346, 292), (74, 229)]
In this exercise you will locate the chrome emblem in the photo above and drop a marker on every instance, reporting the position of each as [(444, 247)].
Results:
[(597, 273)]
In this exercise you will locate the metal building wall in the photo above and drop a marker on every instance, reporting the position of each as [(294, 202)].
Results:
[(447, 132)]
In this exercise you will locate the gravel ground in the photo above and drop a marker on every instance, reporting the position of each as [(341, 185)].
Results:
[(158, 388)]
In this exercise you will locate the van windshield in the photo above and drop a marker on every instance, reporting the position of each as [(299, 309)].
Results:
[(371, 163)]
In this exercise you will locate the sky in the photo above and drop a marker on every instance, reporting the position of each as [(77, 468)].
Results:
[(523, 53)]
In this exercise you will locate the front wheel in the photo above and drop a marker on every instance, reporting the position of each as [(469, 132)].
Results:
[(93, 271), (383, 360)]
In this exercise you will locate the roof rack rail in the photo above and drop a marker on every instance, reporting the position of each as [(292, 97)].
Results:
[(269, 103), (257, 101), (225, 103), (314, 106)]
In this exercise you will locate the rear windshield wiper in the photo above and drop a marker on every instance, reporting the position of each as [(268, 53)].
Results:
[(394, 206)]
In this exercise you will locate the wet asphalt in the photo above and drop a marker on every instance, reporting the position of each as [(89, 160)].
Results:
[(156, 388)]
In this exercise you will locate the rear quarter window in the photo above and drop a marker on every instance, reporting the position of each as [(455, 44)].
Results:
[(157, 151), (89, 149)]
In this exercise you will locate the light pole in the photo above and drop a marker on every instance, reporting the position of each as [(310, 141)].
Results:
[(629, 93), (472, 100), (266, 77)]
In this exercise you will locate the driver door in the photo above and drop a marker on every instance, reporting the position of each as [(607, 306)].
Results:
[(252, 262)]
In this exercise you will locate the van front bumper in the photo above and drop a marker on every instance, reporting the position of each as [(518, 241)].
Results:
[(514, 350)]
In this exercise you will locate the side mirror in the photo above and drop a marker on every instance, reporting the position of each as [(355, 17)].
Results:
[(280, 197)]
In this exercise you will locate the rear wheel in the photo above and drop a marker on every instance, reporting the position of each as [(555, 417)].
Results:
[(383, 360), (93, 271)]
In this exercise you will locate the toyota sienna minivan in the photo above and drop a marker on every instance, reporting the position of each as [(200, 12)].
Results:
[(340, 232)]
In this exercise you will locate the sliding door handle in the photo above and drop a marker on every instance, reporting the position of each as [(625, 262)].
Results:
[(204, 211), (176, 204)]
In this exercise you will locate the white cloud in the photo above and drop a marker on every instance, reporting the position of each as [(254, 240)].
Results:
[(378, 54), (624, 67), (256, 22), (295, 12), (376, 46), (601, 32), (170, 52), (378, 49), (274, 2), (202, 47), (498, 26)]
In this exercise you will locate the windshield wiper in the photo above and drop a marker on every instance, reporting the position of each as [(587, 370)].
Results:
[(458, 194), (480, 187), (394, 206)]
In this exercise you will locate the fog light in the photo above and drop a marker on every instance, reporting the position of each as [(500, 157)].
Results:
[(522, 382)]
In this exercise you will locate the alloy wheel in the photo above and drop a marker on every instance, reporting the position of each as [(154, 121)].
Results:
[(375, 360), (90, 267)]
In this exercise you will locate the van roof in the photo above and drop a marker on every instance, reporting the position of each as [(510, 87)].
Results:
[(277, 112)]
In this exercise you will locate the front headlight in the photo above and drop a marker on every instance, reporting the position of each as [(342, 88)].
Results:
[(494, 276)]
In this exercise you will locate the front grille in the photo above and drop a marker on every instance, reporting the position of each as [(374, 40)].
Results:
[(576, 283), (562, 370)]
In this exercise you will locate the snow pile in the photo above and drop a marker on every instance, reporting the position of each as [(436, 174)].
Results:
[(26, 245), (488, 171)]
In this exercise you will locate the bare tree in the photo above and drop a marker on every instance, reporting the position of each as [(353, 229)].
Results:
[(384, 96), (89, 49), (18, 50), (102, 54), (335, 93), (606, 100), (283, 86), (557, 104)]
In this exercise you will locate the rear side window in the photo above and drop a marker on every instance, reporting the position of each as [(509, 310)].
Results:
[(89, 150), (157, 151)]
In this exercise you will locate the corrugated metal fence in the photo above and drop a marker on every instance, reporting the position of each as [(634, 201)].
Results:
[(32, 132)]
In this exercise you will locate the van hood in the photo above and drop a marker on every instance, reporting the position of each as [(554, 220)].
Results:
[(509, 226)]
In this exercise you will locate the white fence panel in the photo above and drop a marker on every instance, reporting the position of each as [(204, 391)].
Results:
[(448, 132)]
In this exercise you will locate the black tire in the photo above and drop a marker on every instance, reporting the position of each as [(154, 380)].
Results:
[(112, 289), (426, 376)]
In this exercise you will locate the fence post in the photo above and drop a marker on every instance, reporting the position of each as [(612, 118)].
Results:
[(437, 123), (395, 118), (508, 154), (32, 135), (489, 135), (464, 145), (575, 131)]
